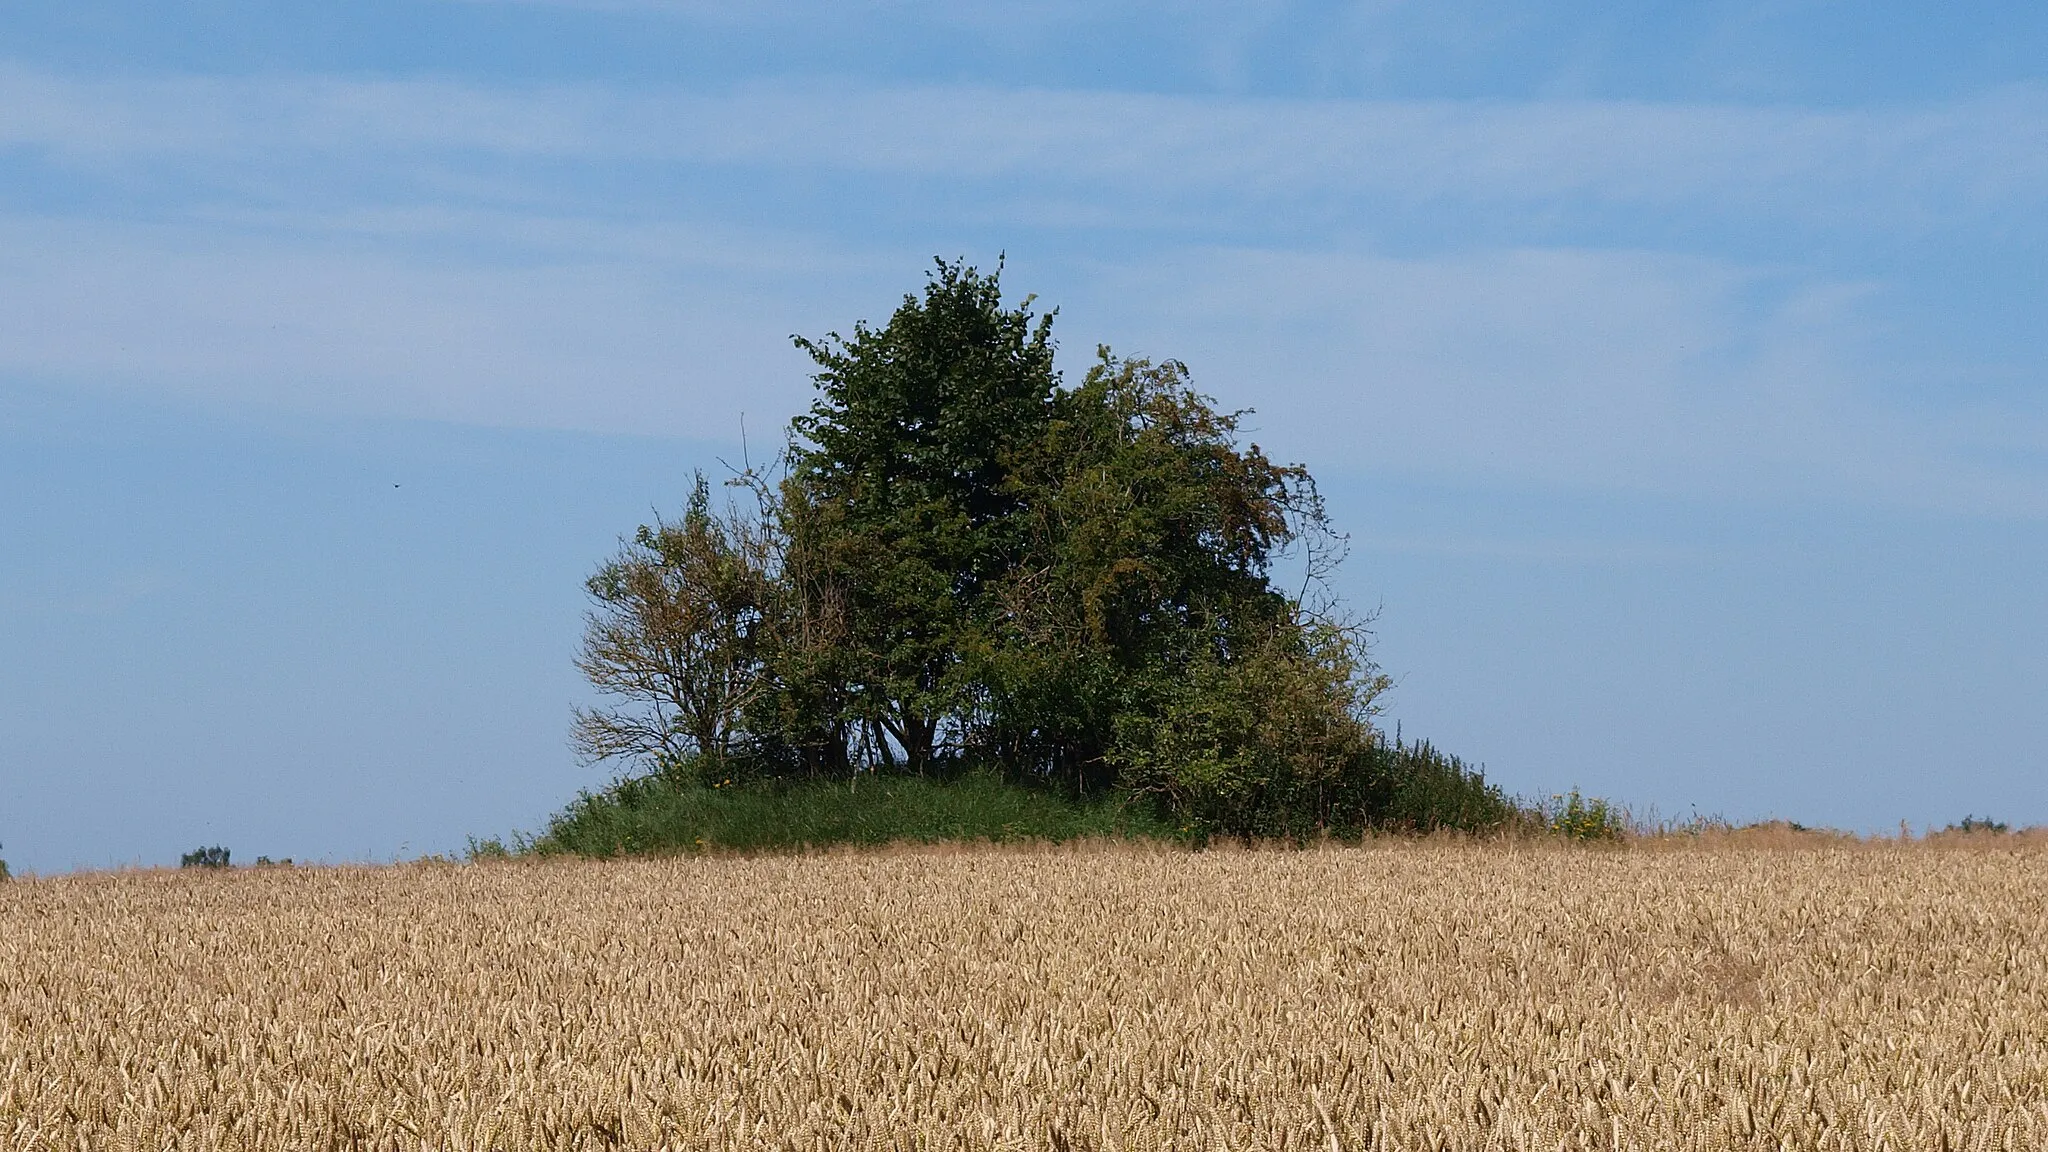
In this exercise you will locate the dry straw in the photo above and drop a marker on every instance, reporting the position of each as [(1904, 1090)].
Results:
[(1398, 996)]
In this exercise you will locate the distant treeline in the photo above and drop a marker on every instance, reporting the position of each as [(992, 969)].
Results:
[(961, 564)]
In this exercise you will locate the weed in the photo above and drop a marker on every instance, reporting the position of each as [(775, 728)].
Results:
[(1578, 817)]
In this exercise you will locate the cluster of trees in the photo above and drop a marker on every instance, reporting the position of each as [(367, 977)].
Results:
[(961, 561)]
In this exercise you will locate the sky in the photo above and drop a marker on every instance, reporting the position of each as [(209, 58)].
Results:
[(1678, 371)]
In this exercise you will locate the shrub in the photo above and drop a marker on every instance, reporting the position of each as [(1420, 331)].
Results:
[(661, 815), (1428, 791), (1979, 824), (214, 857), (492, 849), (1577, 817)]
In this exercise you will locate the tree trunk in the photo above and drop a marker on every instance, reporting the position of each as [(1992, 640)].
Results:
[(878, 733)]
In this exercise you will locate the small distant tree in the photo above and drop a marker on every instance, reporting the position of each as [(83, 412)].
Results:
[(675, 634), (214, 857)]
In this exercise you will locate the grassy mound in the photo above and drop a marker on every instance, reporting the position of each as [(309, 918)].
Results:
[(1409, 788), (655, 815)]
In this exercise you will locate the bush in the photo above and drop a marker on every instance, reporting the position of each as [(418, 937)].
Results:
[(214, 857), (1429, 791), (1979, 824), (1577, 817), (664, 815), (491, 849)]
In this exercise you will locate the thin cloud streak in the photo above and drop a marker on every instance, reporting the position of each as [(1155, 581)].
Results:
[(1568, 552), (1611, 370), (442, 293), (1627, 371), (337, 329), (1913, 166)]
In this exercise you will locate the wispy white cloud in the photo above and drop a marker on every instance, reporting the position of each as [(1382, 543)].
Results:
[(1530, 550), (1216, 42), (994, 14), (1616, 370), (102, 119), (1612, 370), (1917, 166), (444, 292), (679, 347)]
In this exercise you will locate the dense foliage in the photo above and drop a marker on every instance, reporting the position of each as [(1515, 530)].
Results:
[(963, 561), (657, 814)]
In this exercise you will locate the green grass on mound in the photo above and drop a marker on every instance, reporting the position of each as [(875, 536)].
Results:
[(652, 815), (1407, 788)]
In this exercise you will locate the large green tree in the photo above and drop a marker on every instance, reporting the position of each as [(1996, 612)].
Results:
[(909, 513)]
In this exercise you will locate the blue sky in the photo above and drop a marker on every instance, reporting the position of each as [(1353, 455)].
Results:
[(1678, 370)]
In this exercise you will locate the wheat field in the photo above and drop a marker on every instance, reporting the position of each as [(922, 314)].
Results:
[(1403, 995)]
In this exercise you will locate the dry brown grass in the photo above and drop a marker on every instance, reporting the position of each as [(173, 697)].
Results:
[(1404, 995)]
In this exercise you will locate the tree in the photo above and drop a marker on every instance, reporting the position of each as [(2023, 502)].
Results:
[(1275, 742), (902, 476), (676, 630), (214, 857), (1145, 600)]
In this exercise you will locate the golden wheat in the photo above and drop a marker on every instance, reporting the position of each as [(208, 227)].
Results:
[(1398, 996)]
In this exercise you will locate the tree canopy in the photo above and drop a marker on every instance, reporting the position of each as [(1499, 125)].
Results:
[(964, 561)]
